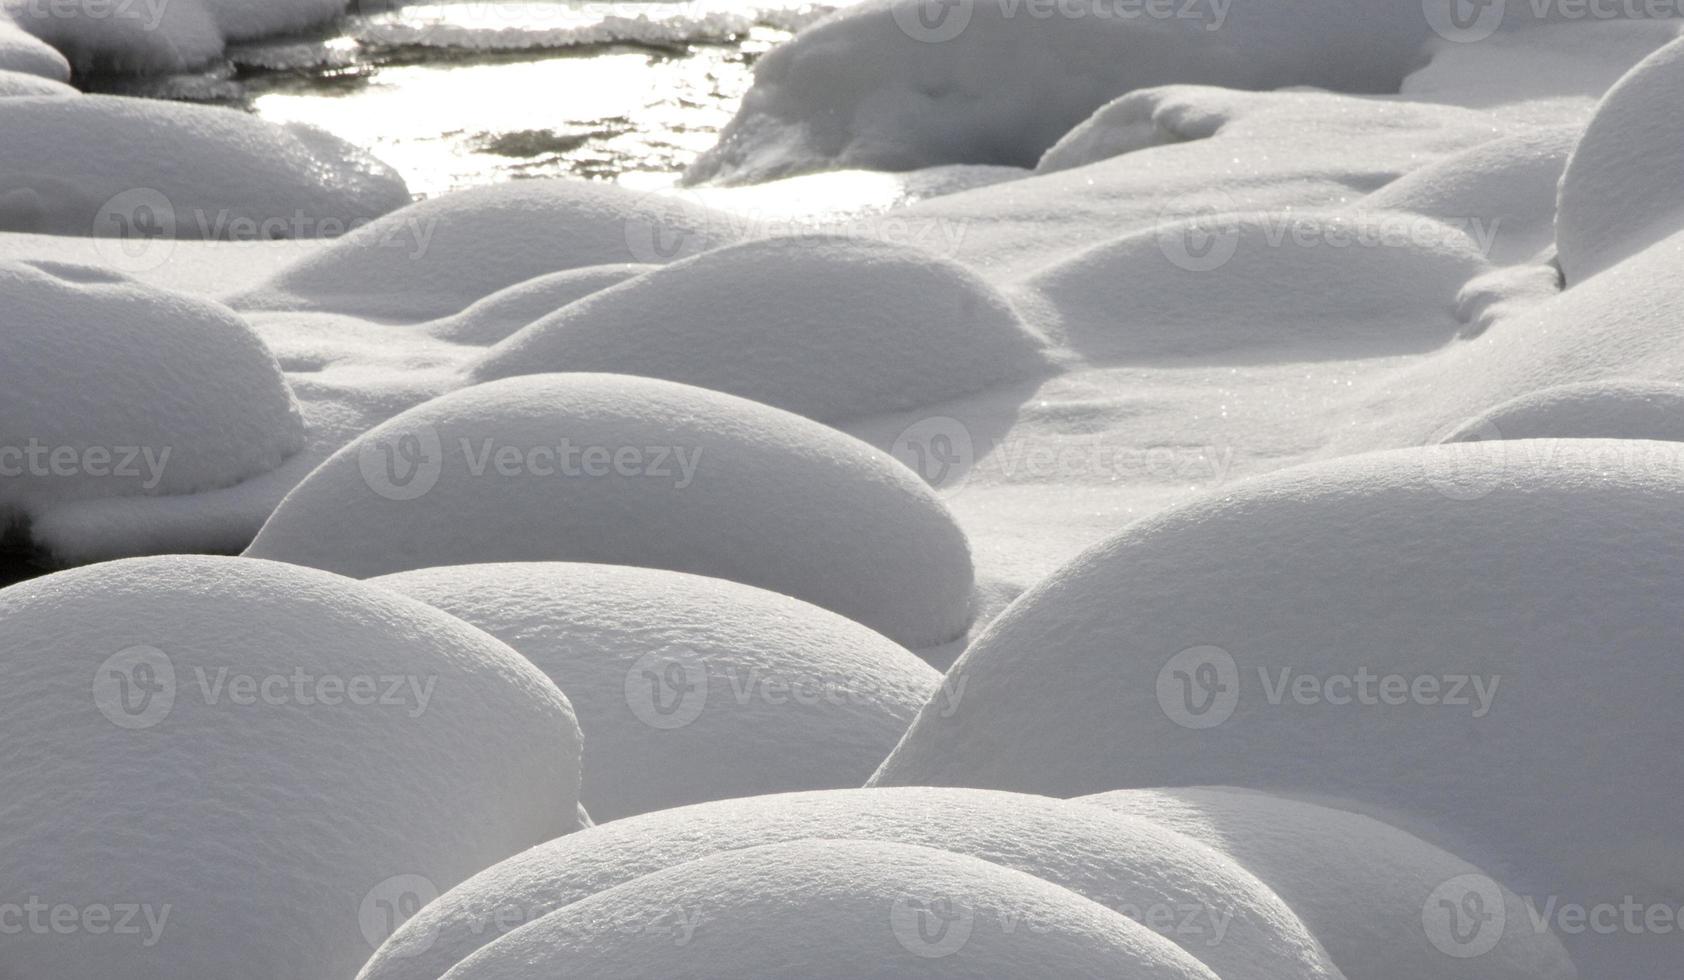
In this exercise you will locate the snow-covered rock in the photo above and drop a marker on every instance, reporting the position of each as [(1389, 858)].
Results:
[(109, 387), (435, 258), (145, 171), (1361, 886), (234, 768), (1462, 637), (1335, 282), (634, 471), (827, 327), (688, 688), (161, 35), (1588, 410), (1187, 892), (24, 53), (504, 312), (834, 910), (1624, 186)]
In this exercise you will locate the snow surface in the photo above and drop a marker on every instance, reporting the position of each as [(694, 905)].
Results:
[(634, 471), (1550, 568), (434, 258), (1588, 410), (161, 35), (830, 328), (1343, 873), (1134, 867), (507, 311), (23, 53), (1624, 186), (145, 172), (689, 688), (16, 83), (220, 742)]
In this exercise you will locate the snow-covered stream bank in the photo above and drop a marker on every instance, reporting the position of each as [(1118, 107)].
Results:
[(1259, 430)]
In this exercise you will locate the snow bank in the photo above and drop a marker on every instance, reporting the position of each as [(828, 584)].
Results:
[(109, 387), (502, 313), (1332, 282), (1359, 884), (827, 327), (1524, 594), (434, 258), (1624, 186), (23, 53), (834, 909), (632, 471), (161, 35), (1589, 410), (267, 760), (1131, 866), (690, 688), (143, 171)]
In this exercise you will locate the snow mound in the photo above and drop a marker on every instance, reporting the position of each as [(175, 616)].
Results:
[(16, 83), (633, 471), (434, 258), (1132, 122), (502, 313), (1624, 186), (1588, 410), (109, 387), (1326, 282), (23, 53), (1129, 866), (266, 760), (161, 35), (834, 909), (830, 328), (689, 688), (1522, 595), (1359, 884), (142, 171)]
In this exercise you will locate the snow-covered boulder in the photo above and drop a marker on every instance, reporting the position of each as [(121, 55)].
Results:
[(834, 910), (232, 768), (1187, 892), (633, 471), (109, 387), (1464, 637), (828, 327), (1350, 281), (1363, 887), (688, 688), (504, 312), (161, 35), (16, 83), (435, 258), (26, 54), (1588, 410), (1624, 186), (143, 171)]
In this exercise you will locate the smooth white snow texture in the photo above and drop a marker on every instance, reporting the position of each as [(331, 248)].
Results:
[(633, 471), (251, 766), (688, 688), (507, 311), (827, 327), (1134, 867), (1588, 410), (16, 83), (23, 53)]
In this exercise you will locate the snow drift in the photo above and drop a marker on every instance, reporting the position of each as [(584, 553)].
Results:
[(144, 171), (271, 760), (827, 327), (1522, 595), (632, 471), (1589, 410), (689, 688), (1130, 866), (434, 258), (504, 312), (109, 387)]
